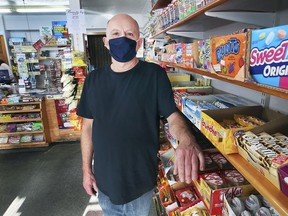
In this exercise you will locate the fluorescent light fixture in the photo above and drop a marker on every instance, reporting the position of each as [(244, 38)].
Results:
[(5, 10), (41, 10)]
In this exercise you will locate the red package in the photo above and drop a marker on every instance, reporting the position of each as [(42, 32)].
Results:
[(166, 194), (214, 180), (234, 177), (187, 197)]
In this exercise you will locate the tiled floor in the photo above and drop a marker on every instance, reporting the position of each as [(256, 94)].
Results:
[(46, 182)]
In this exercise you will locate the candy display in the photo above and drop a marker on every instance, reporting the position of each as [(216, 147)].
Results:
[(265, 147), (268, 56)]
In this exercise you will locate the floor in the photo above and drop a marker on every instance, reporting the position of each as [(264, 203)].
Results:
[(46, 182)]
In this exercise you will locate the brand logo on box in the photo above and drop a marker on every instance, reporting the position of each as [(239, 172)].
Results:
[(269, 56), (231, 47), (209, 128)]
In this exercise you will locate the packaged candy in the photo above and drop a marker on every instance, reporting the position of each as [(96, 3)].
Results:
[(263, 211), (252, 203), (237, 205), (14, 139), (186, 197), (26, 138), (233, 177), (214, 180), (220, 160), (245, 213)]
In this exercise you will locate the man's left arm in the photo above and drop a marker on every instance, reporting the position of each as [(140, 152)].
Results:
[(188, 156)]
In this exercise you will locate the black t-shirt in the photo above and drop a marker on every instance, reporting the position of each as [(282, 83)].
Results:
[(125, 108)]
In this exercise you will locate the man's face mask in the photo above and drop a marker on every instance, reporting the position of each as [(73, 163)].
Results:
[(122, 49)]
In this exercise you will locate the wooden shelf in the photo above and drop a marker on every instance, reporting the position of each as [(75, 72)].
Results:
[(160, 4), (21, 120), (254, 86), (23, 145), (20, 111), (22, 132), (190, 17), (23, 103), (276, 198)]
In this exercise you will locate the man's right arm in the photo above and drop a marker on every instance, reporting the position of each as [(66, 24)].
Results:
[(89, 182)]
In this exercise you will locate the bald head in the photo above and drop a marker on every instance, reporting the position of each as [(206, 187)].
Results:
[(123, 24)]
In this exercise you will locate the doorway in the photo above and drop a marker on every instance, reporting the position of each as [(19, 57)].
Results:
[(97, 53)]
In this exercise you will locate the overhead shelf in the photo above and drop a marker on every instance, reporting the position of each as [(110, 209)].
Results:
[(160, 4), (223, 12)]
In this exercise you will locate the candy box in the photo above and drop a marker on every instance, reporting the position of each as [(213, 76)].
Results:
[(228, 55), (188, 57), (214, 197), (269, 56), (192, 107), (180, 49), (178, 77), (283, 177), (223, 138), (271, 170), (205, 55)]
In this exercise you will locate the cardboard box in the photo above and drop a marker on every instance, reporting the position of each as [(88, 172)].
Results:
[(188, 57), (178, 77), (192, 110), (229, 55), (223, 138), (283, 177), (268, 56), (202, 54), (269, 171), (214, 198)]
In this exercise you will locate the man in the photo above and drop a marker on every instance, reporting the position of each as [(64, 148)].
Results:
[(121, 105)]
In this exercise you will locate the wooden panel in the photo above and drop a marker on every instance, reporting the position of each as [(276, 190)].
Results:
[(3, 51), (56, 134), (23, 145)]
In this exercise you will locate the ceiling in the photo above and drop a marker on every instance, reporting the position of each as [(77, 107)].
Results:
[(90, 6)]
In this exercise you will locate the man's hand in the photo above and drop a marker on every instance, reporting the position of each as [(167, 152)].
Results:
[(188, 156), (89, 183), (186, 163)]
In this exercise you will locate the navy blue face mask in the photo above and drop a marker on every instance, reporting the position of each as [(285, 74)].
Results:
[(122, 49)]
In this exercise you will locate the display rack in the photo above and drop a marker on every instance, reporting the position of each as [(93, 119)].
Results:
[(218, 14), (23, 108)]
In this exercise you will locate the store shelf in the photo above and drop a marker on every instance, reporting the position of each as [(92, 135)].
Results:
[(160, 4), (23, 145), (21, 120), (222, 12), (22, 132), (254, 86), (24, 103), (20, 111), (182, 23), (276, 198)]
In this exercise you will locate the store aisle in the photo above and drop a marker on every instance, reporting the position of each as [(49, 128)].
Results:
[(45, 182)]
